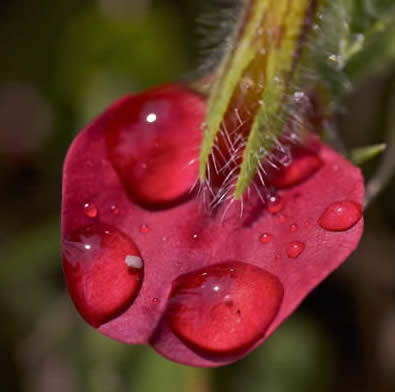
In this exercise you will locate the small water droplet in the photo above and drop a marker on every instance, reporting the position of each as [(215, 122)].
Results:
[(295, 249), (114, 209), (144, 229), (275, 204), (341, 215), (265, 238), (90, 210), (208, 308), (293, 228), (97, 261), (282, 218), (195, 236), (155, 300), (228, 300)]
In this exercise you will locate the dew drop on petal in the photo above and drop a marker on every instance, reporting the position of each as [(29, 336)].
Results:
[(103, 270), (293, 228), (153, 141), (295, 249), (90, 210), (282, 218), (275, 204), (341, 215), (303, 166), (115, 209), (265, 238), (144, 229), (225, 308)]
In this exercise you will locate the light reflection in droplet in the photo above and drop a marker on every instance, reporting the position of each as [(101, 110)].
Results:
[(151, 117)]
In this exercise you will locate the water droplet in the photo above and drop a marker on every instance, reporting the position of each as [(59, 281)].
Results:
[(228, 300), (144, 229), (282, 218), (148, 147), (265, 238), (341, 215), (114, 209), (295, 249), (303, 166), (155, 300), (195, 236), (215, 311), (90, 210), (293, 228), (103, 270), (275, 204)]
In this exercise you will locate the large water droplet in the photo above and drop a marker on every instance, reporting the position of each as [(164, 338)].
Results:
[(224, 308), (295, 249), (153, 143), (90, 210), (103, 270), (341, 215), (304, 165)]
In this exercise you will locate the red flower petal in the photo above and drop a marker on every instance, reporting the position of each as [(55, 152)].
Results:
[(179, 239)]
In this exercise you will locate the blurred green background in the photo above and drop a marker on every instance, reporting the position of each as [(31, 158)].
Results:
[(61, 63)]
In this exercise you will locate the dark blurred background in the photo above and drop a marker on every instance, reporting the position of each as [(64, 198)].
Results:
[(61, 63)]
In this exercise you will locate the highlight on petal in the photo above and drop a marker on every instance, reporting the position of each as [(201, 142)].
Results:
[(203, 289)]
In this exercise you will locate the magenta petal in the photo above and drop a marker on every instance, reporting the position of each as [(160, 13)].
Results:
[(177, 239)]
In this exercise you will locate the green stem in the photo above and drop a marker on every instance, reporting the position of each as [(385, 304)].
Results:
[(248, 104)]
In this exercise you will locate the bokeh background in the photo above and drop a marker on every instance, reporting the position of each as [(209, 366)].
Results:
[(61, 63)]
